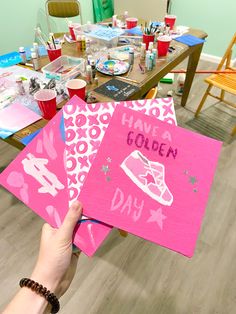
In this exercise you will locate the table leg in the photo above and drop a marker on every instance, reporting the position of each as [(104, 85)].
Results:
[(191, 68)]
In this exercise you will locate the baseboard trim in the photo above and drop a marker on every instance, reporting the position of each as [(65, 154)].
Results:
[(214, 59), (210, 58)]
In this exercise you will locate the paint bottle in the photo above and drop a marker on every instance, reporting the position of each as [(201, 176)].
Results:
[(35, 61), (150, 64), (180, 84), (20, 86), (79, 42), (89, 74), (114, 21), (83, 43), (154, 51), (36, 49), (89, 58), (88, 46), (93, 67), (131, 56), (143, 52), (150, 46), (22, 55), (147, 59), (96, 81), (167, 29), (108, 56)]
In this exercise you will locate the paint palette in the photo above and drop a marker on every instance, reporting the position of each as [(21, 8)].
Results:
[(113, 67)]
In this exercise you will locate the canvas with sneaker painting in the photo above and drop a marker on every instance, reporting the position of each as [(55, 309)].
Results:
[(151, 179)]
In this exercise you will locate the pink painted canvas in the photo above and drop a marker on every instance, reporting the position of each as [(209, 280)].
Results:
[(151, 179), (63, 153), (86, 124), (14, 118)]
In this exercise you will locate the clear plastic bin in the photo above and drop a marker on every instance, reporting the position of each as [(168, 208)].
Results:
[(100, 36), (64, 68)]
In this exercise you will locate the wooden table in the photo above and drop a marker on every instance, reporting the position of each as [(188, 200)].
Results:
[(145, 81)]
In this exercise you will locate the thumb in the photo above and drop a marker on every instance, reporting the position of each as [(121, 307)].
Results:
[(70, 221)]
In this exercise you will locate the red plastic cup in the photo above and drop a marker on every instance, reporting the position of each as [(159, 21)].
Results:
[(131, 22), (72, 33), (163, 43), (47, 103), (148, 39), (53, 54), (76, 87), (170, 19)]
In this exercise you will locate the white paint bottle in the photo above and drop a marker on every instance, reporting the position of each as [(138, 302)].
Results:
[(180, 84)]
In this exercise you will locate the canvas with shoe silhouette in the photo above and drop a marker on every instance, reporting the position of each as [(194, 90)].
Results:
[(151, 179)]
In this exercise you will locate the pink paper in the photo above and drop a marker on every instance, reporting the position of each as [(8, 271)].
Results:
[(151, 179), (14, 118)]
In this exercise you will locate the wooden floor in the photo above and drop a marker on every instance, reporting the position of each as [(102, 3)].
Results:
[(130, 275)]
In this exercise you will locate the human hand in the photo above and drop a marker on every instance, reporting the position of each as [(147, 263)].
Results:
[(56, 265)]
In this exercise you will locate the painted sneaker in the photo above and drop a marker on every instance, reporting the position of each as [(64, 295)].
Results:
[(149, 176)]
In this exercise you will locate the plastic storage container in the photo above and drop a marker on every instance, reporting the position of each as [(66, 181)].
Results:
[(64, 68), (99, 35)]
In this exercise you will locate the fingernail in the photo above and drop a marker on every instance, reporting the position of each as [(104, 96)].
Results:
[(76, 205)]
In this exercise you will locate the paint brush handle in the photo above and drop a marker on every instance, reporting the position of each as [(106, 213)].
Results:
[(205, 72)]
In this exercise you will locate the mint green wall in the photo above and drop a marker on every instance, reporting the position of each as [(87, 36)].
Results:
[(216, 17), (19, 18)]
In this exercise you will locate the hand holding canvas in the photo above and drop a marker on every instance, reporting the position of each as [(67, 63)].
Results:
[(56, 264)]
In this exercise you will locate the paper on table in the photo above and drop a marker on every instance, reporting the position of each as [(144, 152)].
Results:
[(14, 118), (190, 40)]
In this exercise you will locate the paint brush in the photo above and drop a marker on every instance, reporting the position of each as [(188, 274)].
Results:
[(205, 72), (127, 79), (38, 34), (53, 40)]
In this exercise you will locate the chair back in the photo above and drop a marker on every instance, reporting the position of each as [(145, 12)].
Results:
[(226, 61), (63, 8)]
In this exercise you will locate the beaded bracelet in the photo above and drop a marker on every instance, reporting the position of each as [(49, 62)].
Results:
[(43, 291)]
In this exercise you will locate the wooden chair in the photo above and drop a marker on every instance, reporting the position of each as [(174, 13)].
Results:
[(152, 93), (62, 9), (225, 82)]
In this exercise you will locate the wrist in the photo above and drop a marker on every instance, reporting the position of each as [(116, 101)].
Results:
[(42, 278)]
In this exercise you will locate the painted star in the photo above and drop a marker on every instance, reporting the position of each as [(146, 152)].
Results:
[(157, 216), (185, 171), (192, 180), (108, 159), (149, 178), (105, 169)]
